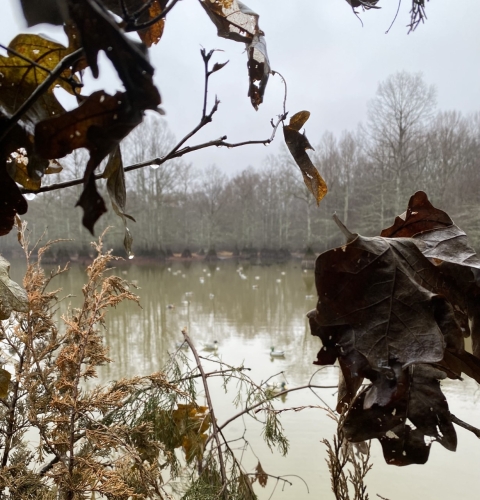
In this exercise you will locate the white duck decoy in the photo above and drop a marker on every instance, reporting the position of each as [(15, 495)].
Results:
[(181, 345), (211, 346), (276, 354), (276, 389)]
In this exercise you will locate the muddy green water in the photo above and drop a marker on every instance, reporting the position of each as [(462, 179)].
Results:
[(247, 312)]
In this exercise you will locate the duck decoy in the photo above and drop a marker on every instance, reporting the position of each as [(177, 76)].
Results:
[(181, 345), (275, 388), (276, 354), (211, 346)]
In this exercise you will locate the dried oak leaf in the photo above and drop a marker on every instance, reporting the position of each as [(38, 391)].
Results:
[(98, 124), (98, 31), (380, 294), (440, 238), (12, 296), (298, 144), (115, 176), (417, 414)]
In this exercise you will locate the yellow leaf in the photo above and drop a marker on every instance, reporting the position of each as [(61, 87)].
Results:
[(298, 120)]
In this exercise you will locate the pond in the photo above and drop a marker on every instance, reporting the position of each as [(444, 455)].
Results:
[(248, 311)]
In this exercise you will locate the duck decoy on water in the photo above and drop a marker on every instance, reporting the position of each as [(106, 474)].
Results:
[(276, 354), (211, 346), (276, 388), (181, 345)]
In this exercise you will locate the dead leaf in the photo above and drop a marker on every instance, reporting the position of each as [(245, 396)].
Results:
[(115, 176), (380, 293), (12, 296), (260, 475), (152, 34), (98, 124), (92, 204), (258, 69), (5, 377), (46, 11), (99, 31), (233, 19), (298, 144), (418, 411)]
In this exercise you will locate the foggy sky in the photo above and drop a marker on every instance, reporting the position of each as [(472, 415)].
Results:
[(331, 63)]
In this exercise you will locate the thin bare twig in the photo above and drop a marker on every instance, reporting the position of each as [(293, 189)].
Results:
[(215, 427)]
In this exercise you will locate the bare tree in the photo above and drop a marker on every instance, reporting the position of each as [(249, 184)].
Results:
[(397, 122)]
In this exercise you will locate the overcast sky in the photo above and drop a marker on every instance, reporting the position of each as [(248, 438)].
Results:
[(331, 63)]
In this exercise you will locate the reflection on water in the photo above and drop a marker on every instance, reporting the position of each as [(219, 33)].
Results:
[(248, 311)]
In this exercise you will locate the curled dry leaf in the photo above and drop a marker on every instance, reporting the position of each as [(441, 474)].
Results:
[(260, 475), (235, 21), (46, 11), (12, 296), (298, 144), (115, 176), (258, 69)]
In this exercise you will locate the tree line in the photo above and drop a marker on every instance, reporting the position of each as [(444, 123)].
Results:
[(405, 145)]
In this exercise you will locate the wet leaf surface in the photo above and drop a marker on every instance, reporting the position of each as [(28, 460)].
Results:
[(398, 317), (438, 237), (258, 70), (298, 144)]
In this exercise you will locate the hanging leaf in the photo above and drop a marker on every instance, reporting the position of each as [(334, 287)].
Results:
[(99, 31), (13, 202), (5, 377), (115, 176), (46, 11), (419, 401), (235, 21), (12, 296), (260, 475), (98, 124), (258, 69), (298, 144), (152, 35)]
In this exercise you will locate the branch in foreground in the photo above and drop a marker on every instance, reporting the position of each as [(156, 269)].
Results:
[(210, 406)]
